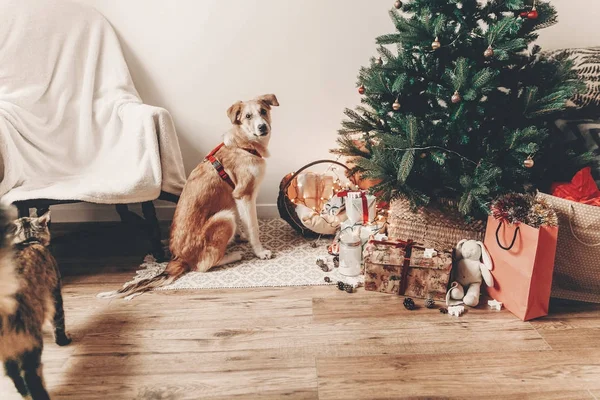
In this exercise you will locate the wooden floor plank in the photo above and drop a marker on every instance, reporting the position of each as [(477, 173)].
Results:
[(545, 374)]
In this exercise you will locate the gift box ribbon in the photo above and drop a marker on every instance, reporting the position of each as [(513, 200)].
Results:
[(365, 203), (408, 245)]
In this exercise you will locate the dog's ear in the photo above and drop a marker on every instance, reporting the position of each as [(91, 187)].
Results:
[(234, 112), (268, 99)]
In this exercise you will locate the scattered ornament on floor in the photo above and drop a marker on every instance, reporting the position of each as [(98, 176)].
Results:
[(533, 14), (340, 285), (336, 261), (430, 303), (362, 89), (322, 264), (379, 61), (398, 4), (409, 304), (456, 311), (436, 44), (529, 163), (489, 53), (313, 245), (456, 98), (495, 305), (443, 310), (334, 249), (396, 106), (327, 279)]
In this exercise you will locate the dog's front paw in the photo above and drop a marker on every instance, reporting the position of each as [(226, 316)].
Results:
[(264, 254)]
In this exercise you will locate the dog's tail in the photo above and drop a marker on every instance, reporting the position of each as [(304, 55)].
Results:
[(175, 270)]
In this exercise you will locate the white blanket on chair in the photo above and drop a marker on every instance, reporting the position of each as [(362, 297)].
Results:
[(72, 125)]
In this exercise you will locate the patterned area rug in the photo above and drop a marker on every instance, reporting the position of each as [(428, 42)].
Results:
[(293, 264)]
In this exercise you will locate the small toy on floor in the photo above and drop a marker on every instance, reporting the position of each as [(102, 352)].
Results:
[(456, 311), (495, 305), (409, 304), (430, 303), (346, 287), (322, 264)]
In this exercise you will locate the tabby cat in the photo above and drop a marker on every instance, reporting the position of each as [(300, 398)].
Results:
[(29, 294)]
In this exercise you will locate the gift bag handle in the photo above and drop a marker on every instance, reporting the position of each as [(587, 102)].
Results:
[(514, 239), (571, 216)]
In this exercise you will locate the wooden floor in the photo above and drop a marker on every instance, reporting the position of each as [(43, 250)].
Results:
[(297, 343)]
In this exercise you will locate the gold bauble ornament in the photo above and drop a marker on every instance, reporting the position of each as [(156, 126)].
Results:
[(423, 155), (379, 61), (436, 44), (398, 4), (529, 163), (489, 53), (396, 106), (456, 98)]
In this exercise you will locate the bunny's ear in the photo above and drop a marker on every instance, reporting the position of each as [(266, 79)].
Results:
[(487, 260), (459, 245)]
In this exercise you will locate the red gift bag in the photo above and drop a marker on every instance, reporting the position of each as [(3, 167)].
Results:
[(523, 259)]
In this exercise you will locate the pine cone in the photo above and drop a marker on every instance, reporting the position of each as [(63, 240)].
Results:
[(348, 288), (430, 303), (336, 261), (409, 304), (340, 285), (443, 310)]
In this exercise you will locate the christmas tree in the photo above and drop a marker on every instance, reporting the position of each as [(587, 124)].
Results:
[(457, 109)]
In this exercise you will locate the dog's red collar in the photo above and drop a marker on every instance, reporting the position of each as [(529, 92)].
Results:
[(219, 167)]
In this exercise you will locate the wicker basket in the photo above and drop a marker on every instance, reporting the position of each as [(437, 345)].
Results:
[(431, 226), (287, 209)]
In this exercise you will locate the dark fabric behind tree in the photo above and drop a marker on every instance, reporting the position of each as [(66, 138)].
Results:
[(468, 152)]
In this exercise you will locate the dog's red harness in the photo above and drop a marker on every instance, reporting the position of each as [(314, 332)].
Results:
[(219, 167)]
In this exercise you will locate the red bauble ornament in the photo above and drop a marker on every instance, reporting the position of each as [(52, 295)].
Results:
[(524, 14), (361, 89), (533, 14)]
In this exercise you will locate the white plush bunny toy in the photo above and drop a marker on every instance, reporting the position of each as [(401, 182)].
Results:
[(469, 273)]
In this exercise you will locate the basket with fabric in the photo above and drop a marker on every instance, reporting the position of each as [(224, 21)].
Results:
[(307, 199)]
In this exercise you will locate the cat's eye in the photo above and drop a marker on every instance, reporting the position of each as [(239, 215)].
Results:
[(248, 116)]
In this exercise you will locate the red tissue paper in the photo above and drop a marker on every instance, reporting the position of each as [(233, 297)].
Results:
[(582, 189)]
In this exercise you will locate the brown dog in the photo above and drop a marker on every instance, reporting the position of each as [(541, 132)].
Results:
[(205, 217)]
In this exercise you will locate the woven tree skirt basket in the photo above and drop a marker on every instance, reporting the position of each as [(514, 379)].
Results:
[(431, 226)]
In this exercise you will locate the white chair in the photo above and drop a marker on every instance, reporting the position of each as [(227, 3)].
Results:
[(72, 125)]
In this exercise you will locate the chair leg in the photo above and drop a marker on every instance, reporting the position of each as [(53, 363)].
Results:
[(41, 210), (123, 212), (23, 210), (153, 229)]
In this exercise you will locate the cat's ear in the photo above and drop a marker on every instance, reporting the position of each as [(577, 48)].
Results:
[(44, 220)]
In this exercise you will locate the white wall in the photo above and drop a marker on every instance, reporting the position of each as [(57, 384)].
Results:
[(196, 57)]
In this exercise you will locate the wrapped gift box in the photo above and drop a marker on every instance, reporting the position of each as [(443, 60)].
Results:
[(360, 207), (384, 263), (428, 274)]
